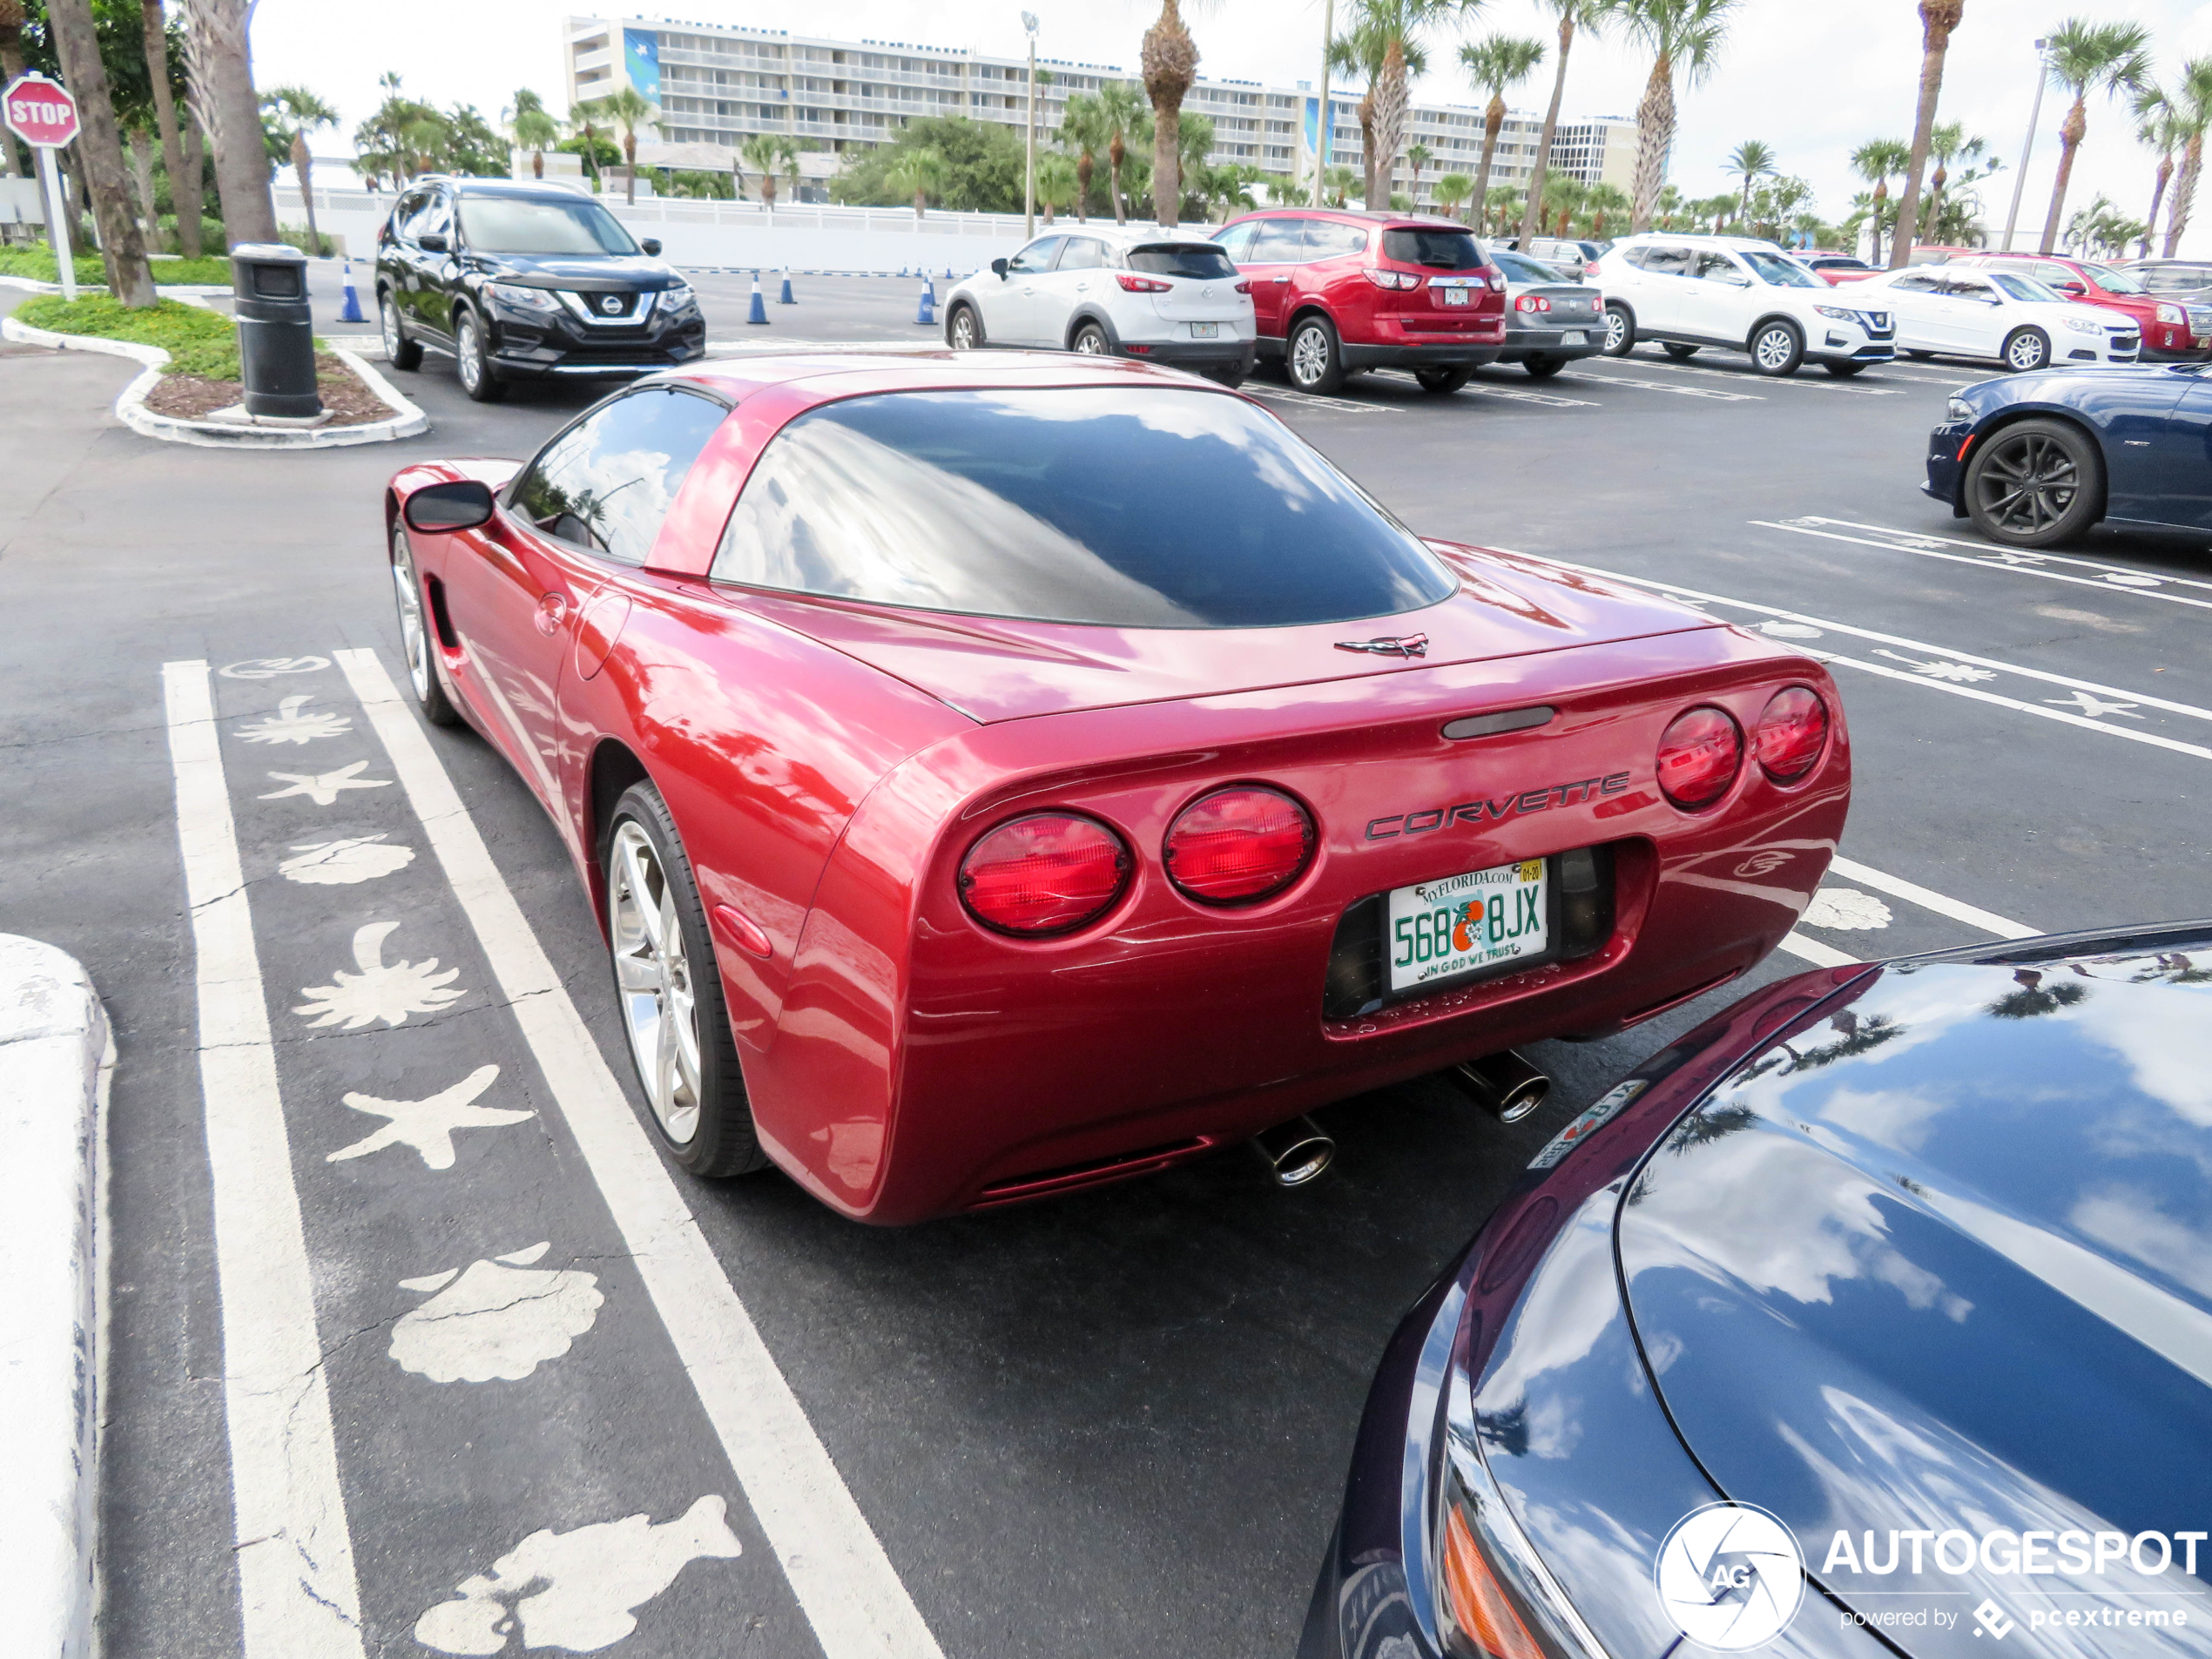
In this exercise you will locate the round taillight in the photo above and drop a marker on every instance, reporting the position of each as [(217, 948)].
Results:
[(1792, 731), (1698, 756), (1238, 845), (1049, 873)]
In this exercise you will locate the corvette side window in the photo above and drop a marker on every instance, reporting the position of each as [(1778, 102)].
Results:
[(605, 484)]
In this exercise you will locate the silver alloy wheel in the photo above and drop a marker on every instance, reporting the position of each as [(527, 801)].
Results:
[(1310, 355), (653, 979), (2025, 352), (390, 317), (1616, 329), (1091, 342), (1775, 347), (413, 634), (963, 329), (469, 365)]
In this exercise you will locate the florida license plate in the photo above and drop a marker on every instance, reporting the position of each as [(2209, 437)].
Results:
[(1454, 296), (1205, 330), (1575, 337), (1443, 928)]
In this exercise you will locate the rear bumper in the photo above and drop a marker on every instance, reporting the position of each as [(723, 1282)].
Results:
[(1470, 355), (1187, 354), (1521, 344)]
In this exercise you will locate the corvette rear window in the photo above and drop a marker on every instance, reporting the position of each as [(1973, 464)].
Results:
[(1137, 507)]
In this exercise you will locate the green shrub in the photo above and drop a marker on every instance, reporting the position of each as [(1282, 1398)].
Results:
[(39, 265), (198, 341)]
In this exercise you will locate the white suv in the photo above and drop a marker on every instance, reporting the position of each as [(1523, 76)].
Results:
[(1113, 290), (1739, 294)]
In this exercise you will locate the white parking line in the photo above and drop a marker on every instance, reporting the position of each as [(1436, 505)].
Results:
[(2120, 579), (1813, 951), (2123, 575), (1824, 955), (836, 1565), (1661, 386), (299, 1595), (1825, 383)]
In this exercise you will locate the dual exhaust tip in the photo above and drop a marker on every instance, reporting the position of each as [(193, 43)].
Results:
[(1504, 1085)]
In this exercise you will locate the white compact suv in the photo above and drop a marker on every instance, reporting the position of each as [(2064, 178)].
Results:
[(1114, 290), (1737, 294), (2005, 314)]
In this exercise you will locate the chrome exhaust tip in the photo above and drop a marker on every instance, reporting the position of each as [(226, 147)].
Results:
[(1295, 1153), (1504, 1085)]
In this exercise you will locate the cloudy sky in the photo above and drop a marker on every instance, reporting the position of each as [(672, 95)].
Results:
[(1812, 80)]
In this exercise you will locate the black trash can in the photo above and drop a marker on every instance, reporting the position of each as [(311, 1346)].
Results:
[(276, 332)]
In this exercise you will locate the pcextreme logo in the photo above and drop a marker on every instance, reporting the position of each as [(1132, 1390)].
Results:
[(1730, 1576)]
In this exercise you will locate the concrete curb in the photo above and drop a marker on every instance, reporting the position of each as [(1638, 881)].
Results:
[(175, 291), (56, 1055), (406, 420)]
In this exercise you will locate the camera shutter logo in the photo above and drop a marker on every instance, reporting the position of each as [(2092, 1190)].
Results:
[(1730, 1576)]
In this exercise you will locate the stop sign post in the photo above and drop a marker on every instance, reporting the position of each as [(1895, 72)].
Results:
[(40, 111)]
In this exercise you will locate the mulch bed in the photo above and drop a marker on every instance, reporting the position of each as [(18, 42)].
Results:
[(187, 397)]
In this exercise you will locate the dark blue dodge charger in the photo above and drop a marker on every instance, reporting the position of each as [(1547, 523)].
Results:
[(1873, 1316), (2036, 459)]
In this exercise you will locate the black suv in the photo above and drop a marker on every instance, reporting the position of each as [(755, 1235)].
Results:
[(526, 282)]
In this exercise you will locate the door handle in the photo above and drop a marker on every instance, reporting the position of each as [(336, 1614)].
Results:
[(1282, 279), (552, 611), (1083, 287)]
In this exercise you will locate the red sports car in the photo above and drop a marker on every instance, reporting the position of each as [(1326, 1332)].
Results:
[(996, 776)]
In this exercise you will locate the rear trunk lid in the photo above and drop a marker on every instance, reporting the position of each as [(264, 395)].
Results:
[(992, 668)]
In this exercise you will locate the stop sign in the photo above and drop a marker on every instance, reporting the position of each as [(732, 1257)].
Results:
[(40, 111)]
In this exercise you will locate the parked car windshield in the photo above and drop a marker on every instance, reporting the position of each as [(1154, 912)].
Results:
[(524, 225), (1202, 260), (1518, 268), (2023, 287), (1439, 249), (2114, 281), (1123, 507), (1780, 272)]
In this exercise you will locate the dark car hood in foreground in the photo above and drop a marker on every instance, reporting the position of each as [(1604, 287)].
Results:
[(1944, 1262), (992, 668), (626, 272)]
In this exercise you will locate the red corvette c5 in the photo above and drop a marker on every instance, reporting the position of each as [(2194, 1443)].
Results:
[(995, 776)]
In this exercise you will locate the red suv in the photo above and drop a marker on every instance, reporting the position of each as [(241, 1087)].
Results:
[(1336, 292), (2172, 328)]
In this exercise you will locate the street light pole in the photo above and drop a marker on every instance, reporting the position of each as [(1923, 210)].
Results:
[(1321, 143), (1029, 146), (2034, 114)]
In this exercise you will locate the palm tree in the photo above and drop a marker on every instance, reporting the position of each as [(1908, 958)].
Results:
[(184, 184), (2193, 101), (98, 150), (629, 109), (1499, 207), (223, 96), (534, 128), (1751, 161), (1360, 51), (1874, 161), (1679, 34), (2159, 128), (1572, 15), (1170, 62), (1417, 157), (1083, 129), (768, 151), (1603, 199), (1564, 196), (1493, 65), (1390, 46), (1450, 190), (289, 114), (1056, 183), (1948, 142), (2088, 57), (11, 65), (919, 171), (1121, 116), (1938, 18), (1337, 183)]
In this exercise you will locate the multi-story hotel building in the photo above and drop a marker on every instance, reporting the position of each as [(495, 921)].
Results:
[(719, 85)]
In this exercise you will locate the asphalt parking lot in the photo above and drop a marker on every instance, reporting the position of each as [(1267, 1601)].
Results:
[(1113, 1423)]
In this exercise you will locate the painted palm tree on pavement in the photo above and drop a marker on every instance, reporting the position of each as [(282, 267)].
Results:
[(2193, 106), (1494, 65), (1938, 18), (2085, 57), (1573, 14), (1681, 36), (1751, 161)]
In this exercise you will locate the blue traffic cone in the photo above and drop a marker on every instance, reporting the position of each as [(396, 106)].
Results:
[(760, 313), (927, 311), (351, 311), (787, 299), (949, 274)]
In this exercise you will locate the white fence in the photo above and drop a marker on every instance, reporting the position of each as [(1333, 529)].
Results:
[(740, 235)]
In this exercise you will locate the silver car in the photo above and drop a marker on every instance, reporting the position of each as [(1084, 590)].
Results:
[(1549, 318)]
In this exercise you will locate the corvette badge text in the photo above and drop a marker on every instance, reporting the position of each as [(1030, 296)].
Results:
[(1474, 811)]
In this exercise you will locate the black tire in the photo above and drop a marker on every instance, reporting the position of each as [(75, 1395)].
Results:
[(400, 351), (717, 1139), (418, 640), (964, 328), (1841, 371), (472, 360), (1313, 358), (1777, 347), (1620, 331), (1679, 354), (1919, 356), (1232, 378), (1442, 381), (2028, 350), (1541, 367), (1092, 341), (2037, 483)]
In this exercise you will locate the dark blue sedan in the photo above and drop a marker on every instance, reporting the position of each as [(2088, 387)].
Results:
[(1873, 1316), (2036, 460)]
